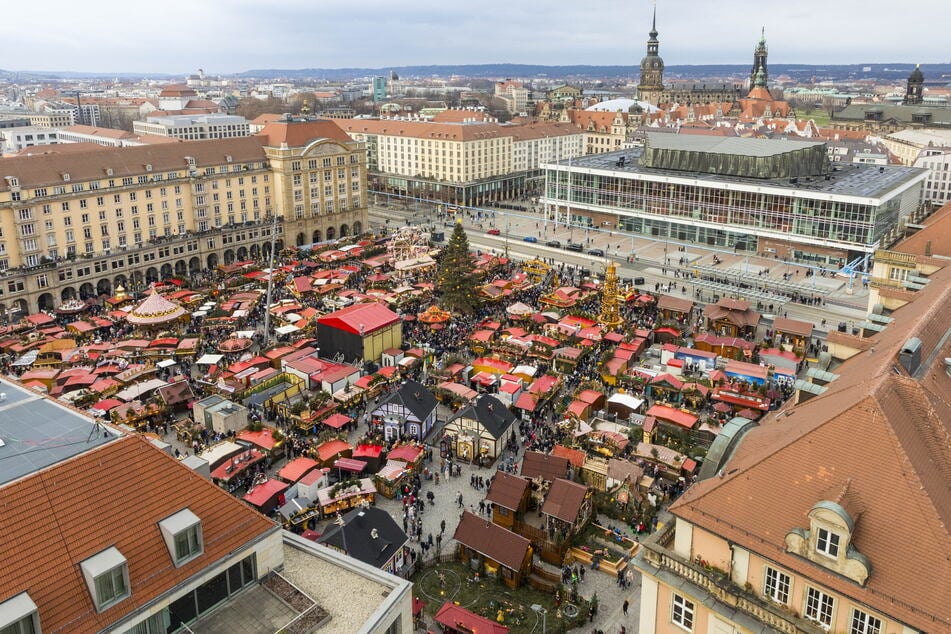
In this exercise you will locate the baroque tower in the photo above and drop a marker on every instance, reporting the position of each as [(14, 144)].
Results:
[(914, 92), (759, 60), (652, 69)]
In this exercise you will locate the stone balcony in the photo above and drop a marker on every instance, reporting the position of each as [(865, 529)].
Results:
[(657, 553)]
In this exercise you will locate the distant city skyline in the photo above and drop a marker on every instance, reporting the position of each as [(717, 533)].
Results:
[(175, 37)]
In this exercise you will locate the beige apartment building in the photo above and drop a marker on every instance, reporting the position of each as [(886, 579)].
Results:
[(82, 223), (462, 163), (833, 514)]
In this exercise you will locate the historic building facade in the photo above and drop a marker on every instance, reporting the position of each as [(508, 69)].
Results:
[(80, 224)]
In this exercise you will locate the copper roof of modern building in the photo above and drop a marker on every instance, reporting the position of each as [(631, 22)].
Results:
[(868, 181), (879, 441)]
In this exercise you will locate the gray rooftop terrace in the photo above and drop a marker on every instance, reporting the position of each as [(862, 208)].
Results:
[(869, 181), (37, 432)]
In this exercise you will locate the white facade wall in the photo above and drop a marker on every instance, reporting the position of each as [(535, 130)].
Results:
[(937, 187), (16, 139)]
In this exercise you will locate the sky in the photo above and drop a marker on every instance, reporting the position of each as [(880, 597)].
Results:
[(226, 36)]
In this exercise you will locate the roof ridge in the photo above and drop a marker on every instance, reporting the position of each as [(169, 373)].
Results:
[(804, 430)]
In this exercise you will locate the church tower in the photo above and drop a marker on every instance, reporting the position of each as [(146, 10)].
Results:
[(652, 69), (759, 60), (914, 93)]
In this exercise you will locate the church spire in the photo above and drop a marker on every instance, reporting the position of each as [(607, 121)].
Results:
[(760, 53), (652, 68)]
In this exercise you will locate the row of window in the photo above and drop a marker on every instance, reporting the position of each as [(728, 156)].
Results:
[(819, 607), (326, 162)]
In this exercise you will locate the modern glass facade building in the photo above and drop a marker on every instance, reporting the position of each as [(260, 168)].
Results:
[(772, 197)]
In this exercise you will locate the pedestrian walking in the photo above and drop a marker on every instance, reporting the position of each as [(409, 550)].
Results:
[(624, 606)]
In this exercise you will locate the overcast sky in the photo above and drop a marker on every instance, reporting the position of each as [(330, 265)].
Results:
[(224, 36)]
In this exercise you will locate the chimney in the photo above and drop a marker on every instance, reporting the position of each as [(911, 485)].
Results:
[(910, 355), (928, 248)]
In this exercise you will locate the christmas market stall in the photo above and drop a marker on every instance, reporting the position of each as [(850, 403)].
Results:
[(346, 495)]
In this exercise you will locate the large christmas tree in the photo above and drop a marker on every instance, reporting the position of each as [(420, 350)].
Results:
[(456, 284)]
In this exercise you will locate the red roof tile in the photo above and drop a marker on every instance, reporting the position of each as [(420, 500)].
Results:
[(145, 485)]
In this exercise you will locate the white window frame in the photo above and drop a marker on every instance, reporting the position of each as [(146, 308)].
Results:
[(682, 612), (864, 623), (776, 585), (19, 615), (828, 542), (819, 607), (183, 522)]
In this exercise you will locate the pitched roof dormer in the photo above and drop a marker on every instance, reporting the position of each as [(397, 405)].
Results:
[(828, 542)]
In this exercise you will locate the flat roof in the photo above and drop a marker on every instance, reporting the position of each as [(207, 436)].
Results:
[(728, 145), (852, 179), (36, 432), (310, 566)]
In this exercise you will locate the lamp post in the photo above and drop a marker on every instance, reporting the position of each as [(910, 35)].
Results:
[(540, 610)]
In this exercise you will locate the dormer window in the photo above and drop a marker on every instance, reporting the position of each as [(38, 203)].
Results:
[(18, 615), (827, 543), (183, 536), (107, 577)]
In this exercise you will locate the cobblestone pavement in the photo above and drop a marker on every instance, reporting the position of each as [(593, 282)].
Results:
[(445, 508)]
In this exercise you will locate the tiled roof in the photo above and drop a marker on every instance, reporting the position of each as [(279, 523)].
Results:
[(48, 169), (937, 238), (507, 490), (300, 133), (492, 541), (424, 130), (877, 432), (111, 496)]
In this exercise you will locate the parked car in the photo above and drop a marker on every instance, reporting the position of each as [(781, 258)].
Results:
[(531, 239), (597, 252), (494, 232), (575, 246), (639, 281), (553, 243)]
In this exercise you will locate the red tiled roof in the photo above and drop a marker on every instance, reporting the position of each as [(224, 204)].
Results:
[(879, 441), (300, 133), (145, 485)]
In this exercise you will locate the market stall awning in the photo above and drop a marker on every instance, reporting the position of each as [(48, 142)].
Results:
[(336, 421), (350, 464), (210, 359)]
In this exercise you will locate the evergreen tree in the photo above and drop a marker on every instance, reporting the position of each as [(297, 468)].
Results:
[(457, 282)]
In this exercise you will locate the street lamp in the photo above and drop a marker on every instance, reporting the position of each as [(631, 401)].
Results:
[(540, 610)]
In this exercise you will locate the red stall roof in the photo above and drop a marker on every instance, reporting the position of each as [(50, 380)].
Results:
[(368, 451), (673, 415), (336, 421), (458, 618), (261, 494), (361, 318), (296, 469), (349, 464)]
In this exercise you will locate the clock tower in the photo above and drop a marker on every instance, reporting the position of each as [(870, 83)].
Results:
[(652, 69)]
